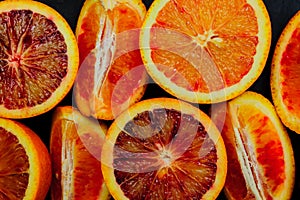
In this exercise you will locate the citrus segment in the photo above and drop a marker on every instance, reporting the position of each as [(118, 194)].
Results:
[(112, 75), (207, 53), (260, 156), (163, 149), (75, 148), (38, 58), (285, 77), (25, 171)]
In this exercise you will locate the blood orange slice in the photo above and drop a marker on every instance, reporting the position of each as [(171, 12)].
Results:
[(163, 149), (38, 58), (25, 168), (285, 75), (260, 156), (111, 75), (75, 149), (205, 51)]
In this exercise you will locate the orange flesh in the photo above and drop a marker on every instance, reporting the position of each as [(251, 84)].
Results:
[(83, 166), (167, 156), (290, 74), (229, 46), (33, 59), (260, 137), (123, 18), (14, 166)]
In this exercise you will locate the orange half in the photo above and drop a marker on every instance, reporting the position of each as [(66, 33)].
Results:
[(25, 167), (260, 156), (75, 148), (38, 58), (285, 75), (163, 149), (205, 51), (111, 75)]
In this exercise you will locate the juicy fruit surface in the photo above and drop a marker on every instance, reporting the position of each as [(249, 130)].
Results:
[(14, 170), (110, 57), (197, 48), (76, 157), (163, 153), (25, 168), (170, 162), (290, 74), (38, 58), (285, 76), (260, 156), (32, 64)]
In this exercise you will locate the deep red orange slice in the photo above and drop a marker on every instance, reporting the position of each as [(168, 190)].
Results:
[(163, 149), (38, 58), (25, 168)]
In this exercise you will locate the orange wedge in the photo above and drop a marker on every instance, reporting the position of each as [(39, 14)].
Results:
[(38, 58), (285, 75), (260, 156), (25, 168), (205, 51), (111, 76), (75, 148), (163, 149)]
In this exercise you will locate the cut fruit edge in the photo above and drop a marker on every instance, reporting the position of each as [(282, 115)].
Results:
[(94, 103), (260, 58), (166, 103), (38, 157), (83, 125), (289, 119), (72, 52), (262, 104)]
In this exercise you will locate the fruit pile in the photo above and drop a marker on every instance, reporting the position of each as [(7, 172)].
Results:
[(163, 99)]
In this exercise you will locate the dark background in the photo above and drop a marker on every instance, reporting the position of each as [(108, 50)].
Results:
[(280, 12)]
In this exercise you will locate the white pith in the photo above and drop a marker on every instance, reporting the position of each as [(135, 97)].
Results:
[(249, 165), (67, 163), (104, 51)]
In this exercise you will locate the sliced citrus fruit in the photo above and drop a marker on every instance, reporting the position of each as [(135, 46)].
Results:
[(38, 58), (25, 168), (75, 149), (163, 148), (206, 53), (285, 75), (111, 75), (260, 155)]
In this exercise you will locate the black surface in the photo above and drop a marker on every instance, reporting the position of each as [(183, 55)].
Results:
[(280, 12)]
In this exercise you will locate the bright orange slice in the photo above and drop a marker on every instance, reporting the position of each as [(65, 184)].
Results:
[(285, 75), (111, 75), (38, 58), (260, 155), (163, 149), (25, 168), (205, 51), (75, 149)]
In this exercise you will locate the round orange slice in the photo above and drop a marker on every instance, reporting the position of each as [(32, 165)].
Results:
[(163, 148), (38, 58), (205, 51), (260, 156), (25, 168), (75, 149), (285, 75), (111, 75)]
